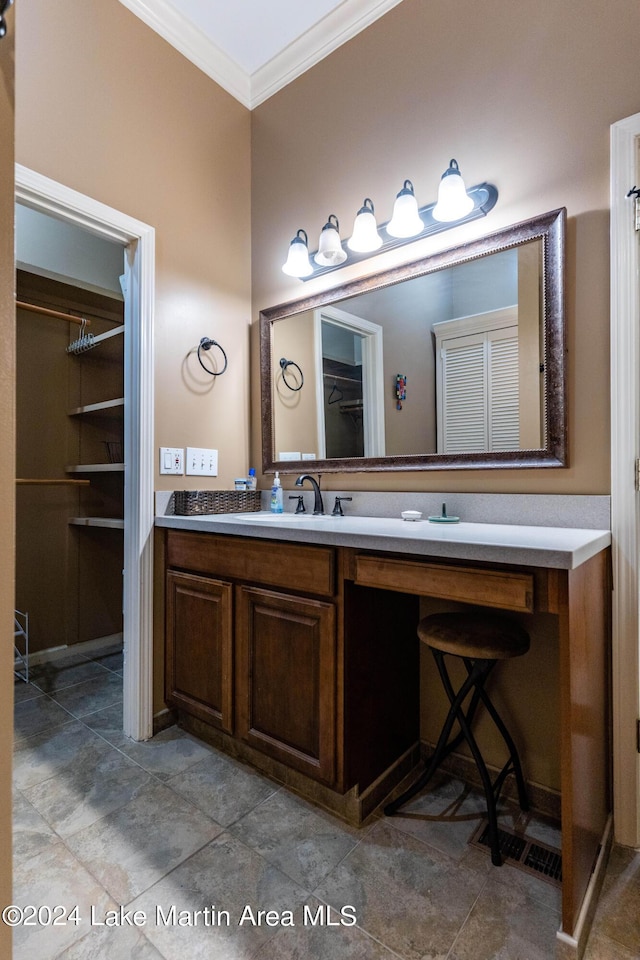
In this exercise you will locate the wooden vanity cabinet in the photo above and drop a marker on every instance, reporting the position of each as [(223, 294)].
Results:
[(247, 654), (199, 647), (286, 679), (274, 655)]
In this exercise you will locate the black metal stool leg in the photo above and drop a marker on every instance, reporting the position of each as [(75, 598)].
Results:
[(480, 670), (443, 748), (514, 759)]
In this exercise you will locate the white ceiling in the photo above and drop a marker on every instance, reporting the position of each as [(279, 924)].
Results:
[(253, 48)]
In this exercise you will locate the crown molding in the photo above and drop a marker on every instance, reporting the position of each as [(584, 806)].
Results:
[(327, 35), (162, 17)]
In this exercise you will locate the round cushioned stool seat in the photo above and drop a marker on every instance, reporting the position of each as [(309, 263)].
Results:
[(476, 636)]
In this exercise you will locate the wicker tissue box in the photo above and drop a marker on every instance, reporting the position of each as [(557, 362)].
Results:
[(192, 503)]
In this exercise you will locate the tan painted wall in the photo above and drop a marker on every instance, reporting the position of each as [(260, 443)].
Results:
[(522, 101), (7, 474), (294, 411), (105, 106)]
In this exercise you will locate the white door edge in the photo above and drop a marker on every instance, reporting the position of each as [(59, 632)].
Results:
[(372, 380), (53, 198), (625, 449)]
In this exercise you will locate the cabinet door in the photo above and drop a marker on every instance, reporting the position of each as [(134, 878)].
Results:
[(199, 648), (286, 679)]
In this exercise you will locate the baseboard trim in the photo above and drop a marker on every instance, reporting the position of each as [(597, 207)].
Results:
[(163, 720), (573, 945), (85, 648), (542, 799)]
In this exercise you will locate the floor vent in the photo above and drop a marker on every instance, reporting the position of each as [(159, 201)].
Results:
[(528, 855)]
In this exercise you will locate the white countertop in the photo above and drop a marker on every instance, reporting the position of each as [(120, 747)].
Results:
[(562, 547)]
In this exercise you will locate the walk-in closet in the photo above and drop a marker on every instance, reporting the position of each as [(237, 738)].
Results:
[(69, 460)]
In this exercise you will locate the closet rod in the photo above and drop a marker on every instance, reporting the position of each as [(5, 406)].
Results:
[(75, 483), (51, 313)]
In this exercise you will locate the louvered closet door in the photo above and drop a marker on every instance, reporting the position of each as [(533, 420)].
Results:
[(464, 395), (503, 399), (480, 408)]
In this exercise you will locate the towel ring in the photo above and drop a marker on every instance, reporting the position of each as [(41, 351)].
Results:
[(290, 363), (205, 344)]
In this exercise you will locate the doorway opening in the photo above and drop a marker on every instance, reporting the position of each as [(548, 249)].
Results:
[(69, 444), (625, 454), (349, 385), (46, 196)]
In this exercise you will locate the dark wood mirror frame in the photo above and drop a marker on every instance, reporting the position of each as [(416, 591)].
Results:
[(550, 229)]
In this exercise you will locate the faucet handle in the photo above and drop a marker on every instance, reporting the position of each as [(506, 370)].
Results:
[(300, 505), (337, 507)]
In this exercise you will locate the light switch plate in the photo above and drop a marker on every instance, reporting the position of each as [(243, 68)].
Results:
[(172, 460), (201, 462)]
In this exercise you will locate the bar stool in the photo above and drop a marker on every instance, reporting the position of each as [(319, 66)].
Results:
[(479, 640)]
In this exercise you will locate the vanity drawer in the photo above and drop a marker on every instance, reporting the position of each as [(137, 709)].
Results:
[(307, 569), (490, 588)]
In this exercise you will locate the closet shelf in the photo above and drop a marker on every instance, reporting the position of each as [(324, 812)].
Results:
[(104, 405), (99, 337), (110, 523), (95, 468), (51, 482)]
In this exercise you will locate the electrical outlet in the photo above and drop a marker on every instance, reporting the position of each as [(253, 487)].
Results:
[(172, 460), (201, 462)]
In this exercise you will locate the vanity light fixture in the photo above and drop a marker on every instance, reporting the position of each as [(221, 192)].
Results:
[(405, 221), (365, 237), (298, 263), (4, 6), (330, 252), (454, 203)]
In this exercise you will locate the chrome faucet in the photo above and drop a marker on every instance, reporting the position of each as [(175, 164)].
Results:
[(318, 506)]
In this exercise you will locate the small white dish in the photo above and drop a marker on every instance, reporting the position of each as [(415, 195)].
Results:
[(411, 515)]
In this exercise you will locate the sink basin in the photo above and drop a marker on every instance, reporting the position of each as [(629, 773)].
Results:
[(279, 517)]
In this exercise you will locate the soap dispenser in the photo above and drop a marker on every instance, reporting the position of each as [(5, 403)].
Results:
[(276, 495)]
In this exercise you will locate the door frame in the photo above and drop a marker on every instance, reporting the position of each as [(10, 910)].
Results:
[(625, 506), (138, 239), (372, 377)]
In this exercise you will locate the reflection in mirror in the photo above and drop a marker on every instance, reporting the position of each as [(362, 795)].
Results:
[(475, 336), (349, 365)]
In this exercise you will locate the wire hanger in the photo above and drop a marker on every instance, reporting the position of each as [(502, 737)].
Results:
[(335, 389), (84, 342)]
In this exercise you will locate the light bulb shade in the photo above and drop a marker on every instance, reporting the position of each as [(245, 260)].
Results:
[(365, 237), (453, 201), (405, 221), (330, 252), (298, 263)]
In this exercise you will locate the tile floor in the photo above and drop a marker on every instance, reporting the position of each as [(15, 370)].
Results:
[(173, 833)]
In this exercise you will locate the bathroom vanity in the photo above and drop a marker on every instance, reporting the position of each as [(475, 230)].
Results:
[(291, 643)]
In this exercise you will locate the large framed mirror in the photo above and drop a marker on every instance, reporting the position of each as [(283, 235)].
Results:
[(454, 361)]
